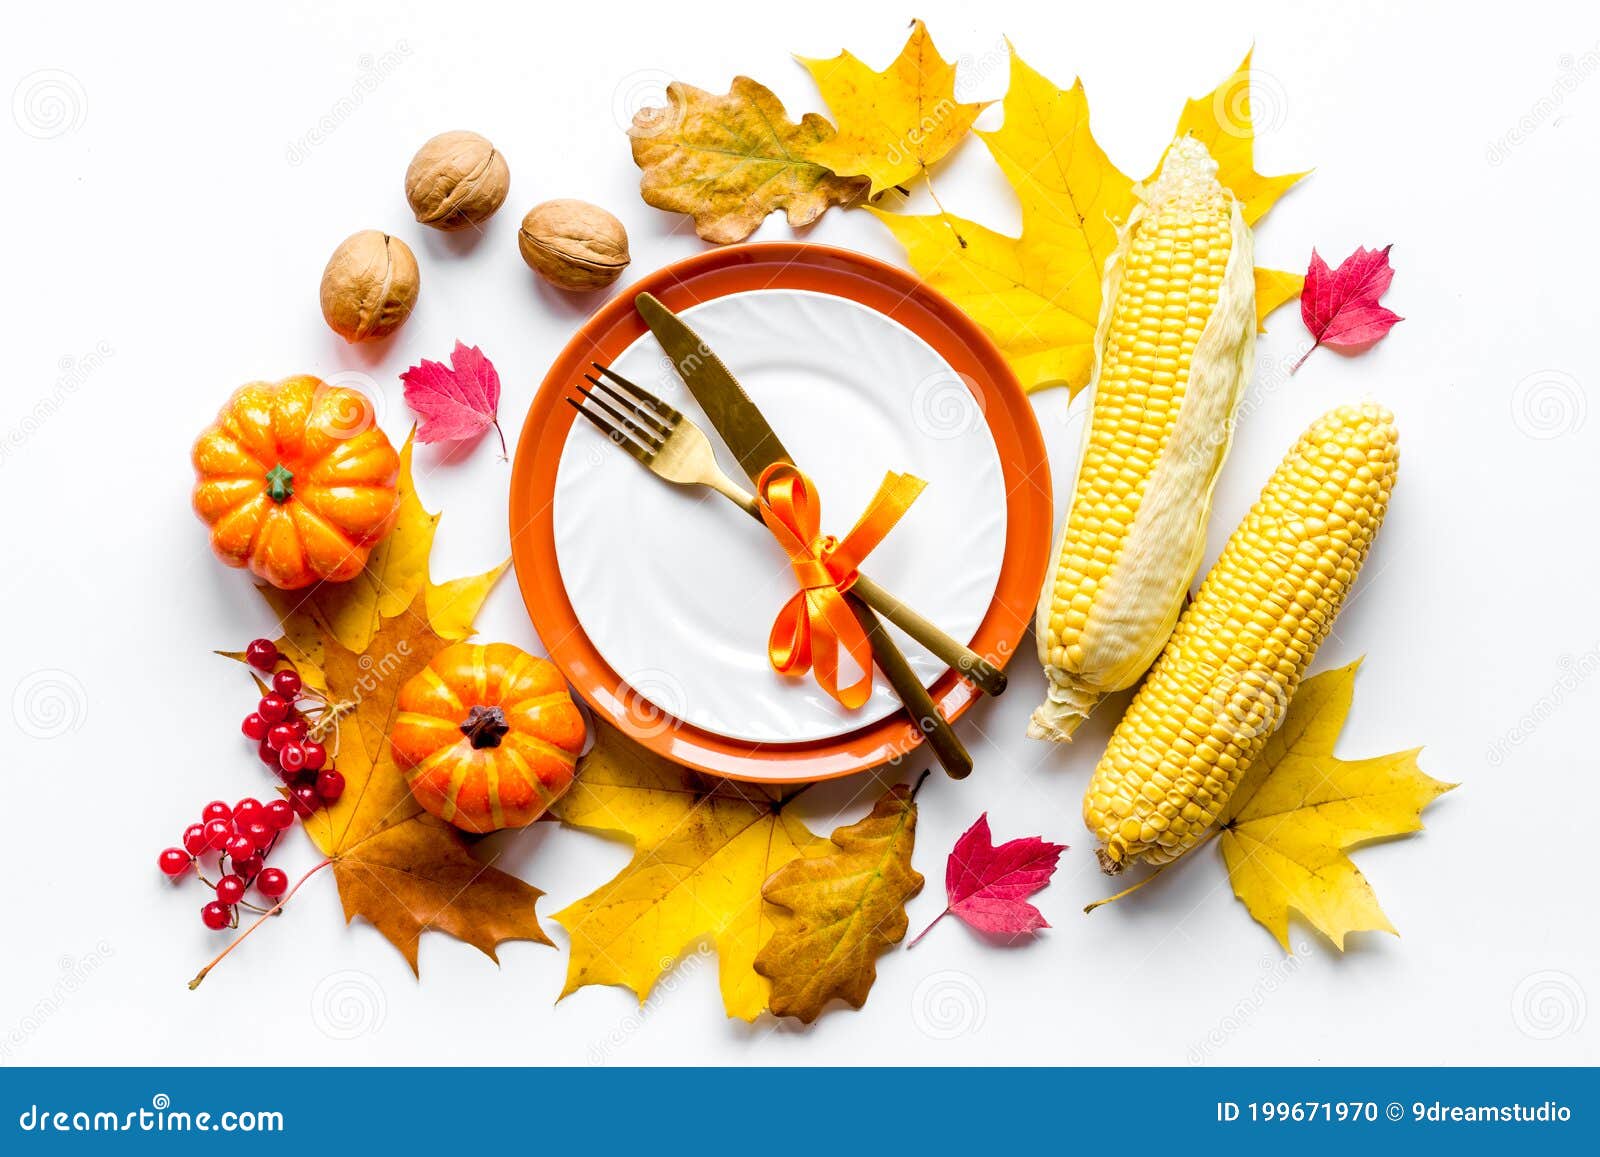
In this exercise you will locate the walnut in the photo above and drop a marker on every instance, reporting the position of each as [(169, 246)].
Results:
[(457, 179), (574, 245), (369, 286)]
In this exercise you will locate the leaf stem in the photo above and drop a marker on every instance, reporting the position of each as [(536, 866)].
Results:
[(928, 929), (260, 920), (504, 455), (1295, 368)]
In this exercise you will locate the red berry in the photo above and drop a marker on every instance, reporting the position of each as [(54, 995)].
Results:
[(330, 785), (195, 840), (286, 683), (174, 862), (292, 757), (216, 916), (248, 811), (240, 848), (272, 882), (274, 708), (230, 890), (316, 754), (268, 756), (254, 727), (304, 799), (247, 867), (215, 810), (260, 833), (218, 833), (299, 726), (262, 654), (280, 814), (281, 735)]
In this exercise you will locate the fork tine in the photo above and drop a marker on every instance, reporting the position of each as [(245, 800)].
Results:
[(609, 391), (613, 434), (641, 393), (652, 440)]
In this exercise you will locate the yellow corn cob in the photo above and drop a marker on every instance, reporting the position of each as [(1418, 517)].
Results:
[(1224, 680), (1174, 345)]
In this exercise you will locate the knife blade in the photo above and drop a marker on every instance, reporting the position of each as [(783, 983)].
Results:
[(756, 446)]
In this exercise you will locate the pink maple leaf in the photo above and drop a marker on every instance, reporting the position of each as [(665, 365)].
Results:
[(457, 401), (988, 886), (1340, 307)]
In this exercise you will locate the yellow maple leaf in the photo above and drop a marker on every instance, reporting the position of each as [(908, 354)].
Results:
[(1274, 287), (729, 160), (1224, 121), (893, 124), (396, 571), (703, 847), (838, 911), (1038, 294), (1299, 807)]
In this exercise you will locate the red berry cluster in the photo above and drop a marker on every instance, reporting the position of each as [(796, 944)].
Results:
[(241, 837), (282, 734)]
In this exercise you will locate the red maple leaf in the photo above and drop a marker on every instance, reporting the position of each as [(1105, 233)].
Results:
[(457, 401), (988, 886), (1340, 307)]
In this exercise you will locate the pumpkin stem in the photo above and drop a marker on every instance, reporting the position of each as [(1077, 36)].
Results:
[(485, 726), (280, 484)]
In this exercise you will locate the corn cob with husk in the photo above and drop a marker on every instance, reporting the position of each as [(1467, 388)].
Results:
[(1173, 349), (1225, 678)]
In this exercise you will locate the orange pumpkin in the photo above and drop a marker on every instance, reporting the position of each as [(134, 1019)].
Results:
[(296, 481), (487, 735)]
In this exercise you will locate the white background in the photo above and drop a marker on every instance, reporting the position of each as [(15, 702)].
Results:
[(161, 249)]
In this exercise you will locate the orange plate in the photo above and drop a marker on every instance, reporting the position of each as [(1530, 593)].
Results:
[(740, 269)]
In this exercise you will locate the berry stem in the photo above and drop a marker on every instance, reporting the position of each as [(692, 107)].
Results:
[(260, 920)]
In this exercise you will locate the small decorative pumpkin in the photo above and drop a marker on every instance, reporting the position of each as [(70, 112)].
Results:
[(296, 481), (487, 735)]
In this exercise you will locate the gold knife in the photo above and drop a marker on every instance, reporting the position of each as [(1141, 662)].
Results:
[(756, 446)]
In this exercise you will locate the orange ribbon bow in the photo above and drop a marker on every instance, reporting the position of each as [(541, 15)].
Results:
[(817, 625)]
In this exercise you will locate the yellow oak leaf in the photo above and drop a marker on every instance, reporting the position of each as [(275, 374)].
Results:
[(395, 865), (730, 160), (1038, 294), (1299, 807), (1224, 120), (396, 570), (893, 124), (703, 847), (838, 911)]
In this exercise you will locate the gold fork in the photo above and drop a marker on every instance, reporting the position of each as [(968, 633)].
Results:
[(673, 448)]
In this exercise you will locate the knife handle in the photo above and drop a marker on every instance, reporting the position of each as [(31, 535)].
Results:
[(952, 756), (964, 661), (961, 659)]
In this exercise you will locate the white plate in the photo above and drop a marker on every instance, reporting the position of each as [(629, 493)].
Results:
[(677, 587)]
